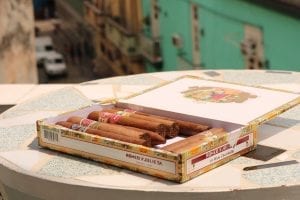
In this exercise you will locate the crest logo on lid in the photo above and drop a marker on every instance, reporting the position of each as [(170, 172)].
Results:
[(217, 94)]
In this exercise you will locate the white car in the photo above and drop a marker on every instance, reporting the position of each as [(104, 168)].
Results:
[(43, 46), (54, 64)]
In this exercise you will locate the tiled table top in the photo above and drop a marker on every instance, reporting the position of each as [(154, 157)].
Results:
[(21, 155)]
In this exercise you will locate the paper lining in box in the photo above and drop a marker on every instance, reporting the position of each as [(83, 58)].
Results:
[(214, 100)]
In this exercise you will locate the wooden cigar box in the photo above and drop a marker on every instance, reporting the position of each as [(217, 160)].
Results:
[(238, 109)]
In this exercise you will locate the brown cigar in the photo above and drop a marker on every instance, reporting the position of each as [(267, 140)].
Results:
[(145, 142), (155, 137), (117, 129), (172, 127), (185, 127), (194, 140), (160, 128)]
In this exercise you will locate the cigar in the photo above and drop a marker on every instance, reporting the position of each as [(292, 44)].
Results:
[(172, 127), (112, 118), (189, 128), (195, 140), (117, 129), (186, 128), (155, 137), (144, 142)]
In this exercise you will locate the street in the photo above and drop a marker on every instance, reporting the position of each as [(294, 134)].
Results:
[(75, 74)]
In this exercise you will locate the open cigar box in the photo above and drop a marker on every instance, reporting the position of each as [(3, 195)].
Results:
[(236, 110)]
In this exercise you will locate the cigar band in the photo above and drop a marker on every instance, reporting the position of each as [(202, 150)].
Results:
[(114, 118), (123, 113), (109, 117), (86, 122), (104, 116), (212, 138), (77, 127), (209, 134), (129, 111)]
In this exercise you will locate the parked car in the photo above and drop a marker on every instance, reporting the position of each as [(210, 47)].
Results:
[(54, 64), (43, 46)]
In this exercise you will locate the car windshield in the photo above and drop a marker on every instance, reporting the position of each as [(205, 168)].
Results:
[(58, 60), (48, 48)]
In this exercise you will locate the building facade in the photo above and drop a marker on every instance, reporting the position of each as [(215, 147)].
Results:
[(116, 25), (17, 49), (233, 34)]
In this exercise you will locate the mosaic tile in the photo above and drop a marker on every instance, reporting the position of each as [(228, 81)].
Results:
[(25, 159), (142, 79), (284, 122), (125, 178), (259, 77), (12, 137), (24, 117), (63, 99), (275, 176), (42, 89), (18, 91), (244, 161), (70, 166), (217, 178), (296, 155), (286, 139)]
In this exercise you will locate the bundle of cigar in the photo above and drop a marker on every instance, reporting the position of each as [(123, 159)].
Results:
[(165, 126), (138, 128), (114, 131), (195, 140)]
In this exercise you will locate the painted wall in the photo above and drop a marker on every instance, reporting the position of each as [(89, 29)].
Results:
[(77, 5), (17, 51), (222, 30), (175, 19), (281, 32)]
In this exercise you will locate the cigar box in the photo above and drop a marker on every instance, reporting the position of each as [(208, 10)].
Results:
[(238, 109)]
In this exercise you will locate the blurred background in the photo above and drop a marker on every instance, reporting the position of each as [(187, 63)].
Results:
[(71, 41)]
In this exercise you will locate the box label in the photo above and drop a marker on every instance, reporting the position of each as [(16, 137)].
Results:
[(54, 136), (197, 162)]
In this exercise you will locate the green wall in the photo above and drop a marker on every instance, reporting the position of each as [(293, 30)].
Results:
[(77, 5), (222, 23), (281, 32), (220, 41), (146, 9), (175, 19)]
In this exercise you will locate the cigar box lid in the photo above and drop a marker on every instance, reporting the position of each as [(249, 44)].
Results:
[(216, 100)]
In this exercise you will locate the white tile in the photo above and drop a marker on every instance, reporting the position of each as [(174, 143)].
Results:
[(96, 92), (283, 157), (267, 131), (40, 90), (296, 127), (217, 178), (124, 179), (131, 89), (287, 139), (294, 87), (175, 74), (107, 91), (11, 93), (29, 118), (25, 159)]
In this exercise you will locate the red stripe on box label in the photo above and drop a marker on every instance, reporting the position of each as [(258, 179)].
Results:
[(211, 153), (242, 140)]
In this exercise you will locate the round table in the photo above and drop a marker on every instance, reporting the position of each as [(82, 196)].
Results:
[(30, 172)]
